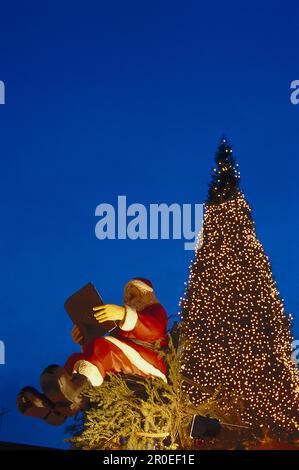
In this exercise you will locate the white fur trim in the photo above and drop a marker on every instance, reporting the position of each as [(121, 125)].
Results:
[(136, 358), (140, 285), (90, 371), (130, 320)]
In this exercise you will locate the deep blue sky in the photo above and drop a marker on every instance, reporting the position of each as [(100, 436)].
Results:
[(109, 98)]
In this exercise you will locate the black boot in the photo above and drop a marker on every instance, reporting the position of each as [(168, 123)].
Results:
[(32, 403), (59, 386)]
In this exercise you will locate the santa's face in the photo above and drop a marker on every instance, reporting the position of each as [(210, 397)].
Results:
[(131, 296)]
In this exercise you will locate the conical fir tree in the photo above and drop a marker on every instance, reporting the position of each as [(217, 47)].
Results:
[(235, 335)]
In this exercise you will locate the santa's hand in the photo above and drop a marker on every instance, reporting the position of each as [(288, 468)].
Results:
[(109, 312), (76, 335)]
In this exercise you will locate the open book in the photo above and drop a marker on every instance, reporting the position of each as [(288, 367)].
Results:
[(80, 309)]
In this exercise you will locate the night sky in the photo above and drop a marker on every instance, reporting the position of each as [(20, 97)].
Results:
[(131, 98)]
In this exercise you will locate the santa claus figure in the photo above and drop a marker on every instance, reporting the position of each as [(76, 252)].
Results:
[(132, 348)]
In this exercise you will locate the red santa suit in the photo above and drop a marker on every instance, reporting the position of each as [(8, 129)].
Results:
[(133, 349)]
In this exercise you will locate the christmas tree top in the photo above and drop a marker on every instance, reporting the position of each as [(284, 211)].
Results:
[(225, 178)]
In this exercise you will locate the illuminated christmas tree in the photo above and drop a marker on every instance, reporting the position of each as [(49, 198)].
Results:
[(235, 334)]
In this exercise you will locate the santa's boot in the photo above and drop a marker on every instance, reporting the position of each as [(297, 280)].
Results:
[(60, 387), (31, 402)]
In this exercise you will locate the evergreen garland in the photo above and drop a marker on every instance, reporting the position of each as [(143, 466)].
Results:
[(133, 413)]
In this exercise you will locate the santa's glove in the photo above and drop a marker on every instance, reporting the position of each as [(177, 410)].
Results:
[(76, 335)]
